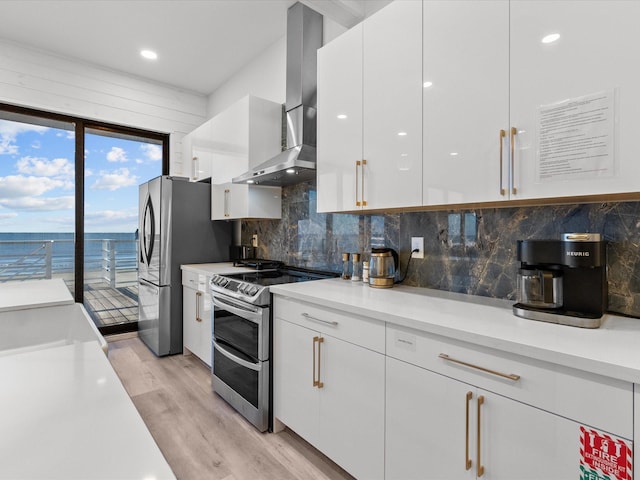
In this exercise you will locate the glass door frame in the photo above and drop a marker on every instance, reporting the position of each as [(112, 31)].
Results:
[(82, 125)]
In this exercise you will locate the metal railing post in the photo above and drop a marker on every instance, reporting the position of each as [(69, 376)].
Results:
[(48, 258)]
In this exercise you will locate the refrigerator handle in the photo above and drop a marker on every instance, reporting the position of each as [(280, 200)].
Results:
[(147, 240)]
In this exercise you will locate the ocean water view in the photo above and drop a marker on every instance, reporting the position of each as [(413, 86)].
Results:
[(47, 254)]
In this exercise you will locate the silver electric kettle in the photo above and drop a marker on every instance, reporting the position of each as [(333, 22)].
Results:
[(383, 265)]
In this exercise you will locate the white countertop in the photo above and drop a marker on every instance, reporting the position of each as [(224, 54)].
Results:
[(612, 350), (65, 415), (34, 293), (222, 268)]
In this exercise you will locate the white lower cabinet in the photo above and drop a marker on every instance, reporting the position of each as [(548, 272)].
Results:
[(456, 410), (331, 393), (387, 401), (439, 428), (196, 316)]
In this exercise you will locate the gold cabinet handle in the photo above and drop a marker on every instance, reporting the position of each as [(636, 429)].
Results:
[(358, 163), (510, 376), (502, 135), (467, 463), (364, 202), (226, 202), (480, 468), (514, 131), (198, 295), (317, 383), (333, 323)]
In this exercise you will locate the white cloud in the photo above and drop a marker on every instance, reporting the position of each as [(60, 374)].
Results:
[(10, 130), (108, 217), (152, 152), (40, 204), (117, 154), (15, 186), (58, 167), (115, 179), (7, 216)]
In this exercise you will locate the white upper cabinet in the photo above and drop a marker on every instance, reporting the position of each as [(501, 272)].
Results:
[(197, 153), (392, 92), (232, 201), (466, 101), (575, 101), (369, 113), (339, 121), (247, 133)]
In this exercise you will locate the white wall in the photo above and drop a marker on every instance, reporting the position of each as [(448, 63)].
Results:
[(264, 77), (36, 79)]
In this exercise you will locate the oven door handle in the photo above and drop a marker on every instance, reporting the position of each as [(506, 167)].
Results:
[(254, 315), (253, 366)]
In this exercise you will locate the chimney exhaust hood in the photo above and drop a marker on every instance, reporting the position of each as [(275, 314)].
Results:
[(297, 163)]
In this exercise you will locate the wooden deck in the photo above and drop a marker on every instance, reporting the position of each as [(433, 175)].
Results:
[(111, 306)]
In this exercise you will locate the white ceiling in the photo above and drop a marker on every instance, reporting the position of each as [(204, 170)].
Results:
[(200, 43)]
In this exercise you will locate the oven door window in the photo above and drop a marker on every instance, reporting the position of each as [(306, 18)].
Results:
[(240, 378), (234, 330)]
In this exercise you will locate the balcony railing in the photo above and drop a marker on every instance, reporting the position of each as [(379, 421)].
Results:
[(107, 260)]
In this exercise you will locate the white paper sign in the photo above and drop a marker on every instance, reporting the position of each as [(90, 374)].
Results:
[(576, 138)]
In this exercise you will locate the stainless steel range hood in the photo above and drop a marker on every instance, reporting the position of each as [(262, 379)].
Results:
[(298, 162)]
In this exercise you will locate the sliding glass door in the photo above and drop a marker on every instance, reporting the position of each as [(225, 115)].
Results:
[(69, 206), (115, 164)]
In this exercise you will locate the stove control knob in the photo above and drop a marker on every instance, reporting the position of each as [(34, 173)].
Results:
[(253, 291), (242, 287)]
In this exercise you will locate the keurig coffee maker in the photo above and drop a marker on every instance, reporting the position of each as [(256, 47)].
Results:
[(563, 281)]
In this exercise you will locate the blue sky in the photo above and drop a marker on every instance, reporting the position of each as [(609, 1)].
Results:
[(37, 179)]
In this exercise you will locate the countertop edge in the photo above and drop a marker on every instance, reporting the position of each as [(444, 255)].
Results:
[(620, 370)]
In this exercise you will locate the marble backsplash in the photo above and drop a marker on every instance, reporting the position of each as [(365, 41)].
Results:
[(470, 251)]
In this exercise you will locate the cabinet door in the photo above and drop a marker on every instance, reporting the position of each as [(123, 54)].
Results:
[(426, 425), (201, 152), (196, 323), (352, 407), (392, 100), (295, 399), (591, 58), (466, 101), (231, 201), (189, 328), (204, 314), (525, 443), (339, 121)]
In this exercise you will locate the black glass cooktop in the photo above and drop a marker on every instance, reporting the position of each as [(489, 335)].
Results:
[(265, 278)]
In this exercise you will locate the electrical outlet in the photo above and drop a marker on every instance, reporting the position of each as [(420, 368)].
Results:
[(254, 240), (417, 243)]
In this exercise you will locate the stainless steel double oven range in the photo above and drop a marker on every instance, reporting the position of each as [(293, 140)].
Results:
[(242, 335)]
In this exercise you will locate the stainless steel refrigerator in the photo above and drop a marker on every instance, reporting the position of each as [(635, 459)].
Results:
[(175, 228)]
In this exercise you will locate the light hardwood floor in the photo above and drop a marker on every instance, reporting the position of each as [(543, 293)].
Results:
[(200, 435)]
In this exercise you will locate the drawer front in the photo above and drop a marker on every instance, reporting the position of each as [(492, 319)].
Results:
[(361, 331), (197, 281), (593, 400)]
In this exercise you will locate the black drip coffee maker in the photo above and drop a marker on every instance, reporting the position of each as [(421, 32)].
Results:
[(563, 281)]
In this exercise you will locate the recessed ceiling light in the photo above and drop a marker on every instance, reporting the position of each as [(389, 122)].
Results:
[(291, 170), (427, 84), (402, 134), (149, 54), (250, 181), (551, 38), (342, 116)]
